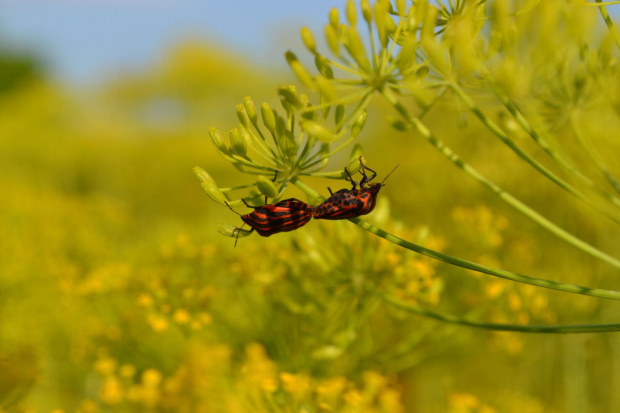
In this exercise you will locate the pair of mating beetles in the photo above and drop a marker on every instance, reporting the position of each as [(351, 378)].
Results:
[(290, 214)]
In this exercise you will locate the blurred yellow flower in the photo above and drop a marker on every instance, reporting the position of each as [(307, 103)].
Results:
[(181, 316)]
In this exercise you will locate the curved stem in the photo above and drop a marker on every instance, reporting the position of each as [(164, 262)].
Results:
[(569, 288), (496, 189), (564, 329), (608, 21), (508, 275)]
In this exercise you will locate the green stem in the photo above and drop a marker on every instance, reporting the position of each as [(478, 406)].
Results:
[(508, 275), (527, 158), (565, 329), (609, 22), (496, 189)]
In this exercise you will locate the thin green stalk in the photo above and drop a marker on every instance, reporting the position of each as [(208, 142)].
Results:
[(496, 189), (352, 70), (527, 158), (594, 155), (245, 162), (520, 118), (565, 329), (554, 285), (608, 21), (262, 137), (354, 97)]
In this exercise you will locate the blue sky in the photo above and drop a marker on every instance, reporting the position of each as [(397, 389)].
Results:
[(84, 40)]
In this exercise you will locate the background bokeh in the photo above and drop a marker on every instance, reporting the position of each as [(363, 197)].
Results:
[(117, 293)]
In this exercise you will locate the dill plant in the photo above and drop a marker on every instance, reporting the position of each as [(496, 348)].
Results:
[(498, 61)]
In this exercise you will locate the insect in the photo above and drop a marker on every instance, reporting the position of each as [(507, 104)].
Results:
[(286, 215), (350, 203)]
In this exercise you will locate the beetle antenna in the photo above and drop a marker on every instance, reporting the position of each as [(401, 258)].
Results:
[(389, 174), (229, 207)]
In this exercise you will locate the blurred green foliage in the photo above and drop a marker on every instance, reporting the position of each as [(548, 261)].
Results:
[(17, 70), (117, 294)]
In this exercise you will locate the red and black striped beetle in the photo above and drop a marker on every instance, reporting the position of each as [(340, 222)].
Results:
[(351, 203), (286, 215)]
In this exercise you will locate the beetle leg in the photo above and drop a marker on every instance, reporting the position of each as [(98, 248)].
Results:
[(350, 179)]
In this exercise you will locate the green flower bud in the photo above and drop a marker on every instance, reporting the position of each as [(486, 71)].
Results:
[(323, 66), (324, 150), (250, 109), (353, 166), (299, 70), (339, 115), (231, 231), (308, 39), (288, 108), (390, 25), (310, 115), (351, 13), (326, 88), (216, 137), (366, 11), (380, 14), (280, 125), (243, 116), (269, 117), (334, 19), (407, 55), (290, 95), (421, 8), (355, 46), (358, 125), (209, 185), (331, 34), (237, 143), (318, 131), (356, 152), (266, 187), (399, 124), (422, 72), (401, 6), (428, 18)]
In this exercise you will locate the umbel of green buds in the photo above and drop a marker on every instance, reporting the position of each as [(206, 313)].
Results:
[(209, 185)]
